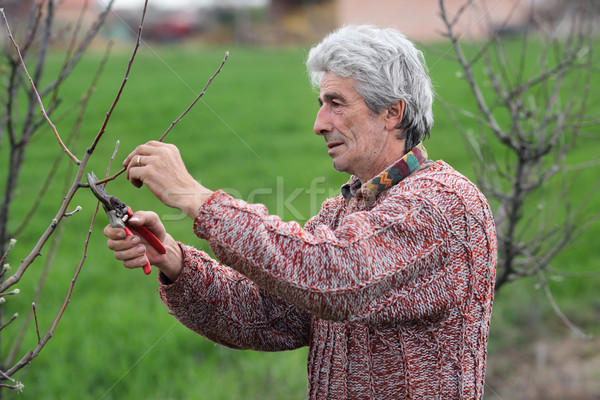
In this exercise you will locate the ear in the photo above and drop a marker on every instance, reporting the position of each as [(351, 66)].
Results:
[(394, 115)]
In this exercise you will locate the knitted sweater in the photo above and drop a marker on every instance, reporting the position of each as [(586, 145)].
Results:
[(392, 296)]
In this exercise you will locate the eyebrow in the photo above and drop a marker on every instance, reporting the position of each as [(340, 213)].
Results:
[(332, 96)]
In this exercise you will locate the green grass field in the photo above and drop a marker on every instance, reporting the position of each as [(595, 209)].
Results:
[(252, 135)]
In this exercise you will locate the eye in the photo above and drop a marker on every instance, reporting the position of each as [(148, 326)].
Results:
[(336, 105)]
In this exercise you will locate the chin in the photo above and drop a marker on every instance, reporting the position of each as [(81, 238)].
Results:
[(340, 167)]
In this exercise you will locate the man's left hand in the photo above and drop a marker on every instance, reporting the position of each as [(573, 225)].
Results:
[(159, 166)]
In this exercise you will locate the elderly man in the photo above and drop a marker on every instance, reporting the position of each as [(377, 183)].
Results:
[(390, 284)]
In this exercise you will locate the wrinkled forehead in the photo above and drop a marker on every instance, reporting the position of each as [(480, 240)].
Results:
[(333, 85)]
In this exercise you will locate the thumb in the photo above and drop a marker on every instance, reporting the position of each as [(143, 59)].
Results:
[(147, 218)]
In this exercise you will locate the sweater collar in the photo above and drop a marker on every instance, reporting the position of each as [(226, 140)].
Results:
[(410, 162)]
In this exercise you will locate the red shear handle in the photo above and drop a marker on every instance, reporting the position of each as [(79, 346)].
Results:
[(150, 237), (147, 268)]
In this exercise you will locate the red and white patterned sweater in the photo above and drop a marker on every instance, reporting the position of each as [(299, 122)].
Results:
[(393, 297)]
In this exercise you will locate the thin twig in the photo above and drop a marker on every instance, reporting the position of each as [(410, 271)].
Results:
[(197, 97), (68, 67), (15, 316), (37, 326), (18, 386), (4, 376), (11, 244), (11, 293), (39, 99), (122, 86), (35, 17), (41, 57), (83, 105), (71, 213), (73, 41), (49, 260), (559, 312), (468, 70), (112, 158), (112, 177), (36, 251), (26, 359)]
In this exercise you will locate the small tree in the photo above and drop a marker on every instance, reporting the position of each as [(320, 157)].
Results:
[(22, 100), (532, 106)]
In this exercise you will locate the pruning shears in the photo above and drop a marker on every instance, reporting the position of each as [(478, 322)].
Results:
[(119, 213)]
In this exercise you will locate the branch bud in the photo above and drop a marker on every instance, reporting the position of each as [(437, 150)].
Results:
[(16, 291), (77, 209)]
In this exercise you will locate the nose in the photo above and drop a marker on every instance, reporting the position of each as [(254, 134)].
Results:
[(323, 123)]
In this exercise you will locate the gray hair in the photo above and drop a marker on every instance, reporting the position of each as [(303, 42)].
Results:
[(387, 68)]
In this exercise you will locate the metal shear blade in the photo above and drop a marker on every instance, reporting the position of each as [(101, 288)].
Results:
[(108, 202), (118, 213)]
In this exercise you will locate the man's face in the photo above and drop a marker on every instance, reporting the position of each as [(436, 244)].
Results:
[(355, 136)]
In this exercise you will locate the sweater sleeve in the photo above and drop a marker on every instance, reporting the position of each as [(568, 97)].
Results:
[(402, 260), (227, 308)]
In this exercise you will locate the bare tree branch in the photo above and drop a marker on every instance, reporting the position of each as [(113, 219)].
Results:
[(83, 46), (120, 91), (162, 137), (20, 129), (62, 212), (558, 311), (531, 111), (83, 104), (39, 99)]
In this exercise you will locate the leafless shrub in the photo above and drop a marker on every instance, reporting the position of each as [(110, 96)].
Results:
[(21, 102), (533, 105)]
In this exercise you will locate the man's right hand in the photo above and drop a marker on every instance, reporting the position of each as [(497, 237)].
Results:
[(131, 249)]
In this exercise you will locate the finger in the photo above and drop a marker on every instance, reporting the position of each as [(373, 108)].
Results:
[(128, 159), (114, 233), (135, 175), (156, 143), (151, 148), (150, 220), (141, 217), (145, 149), (138, 151), (130, 253), (135, 263), (136, 169), (123, 244)]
